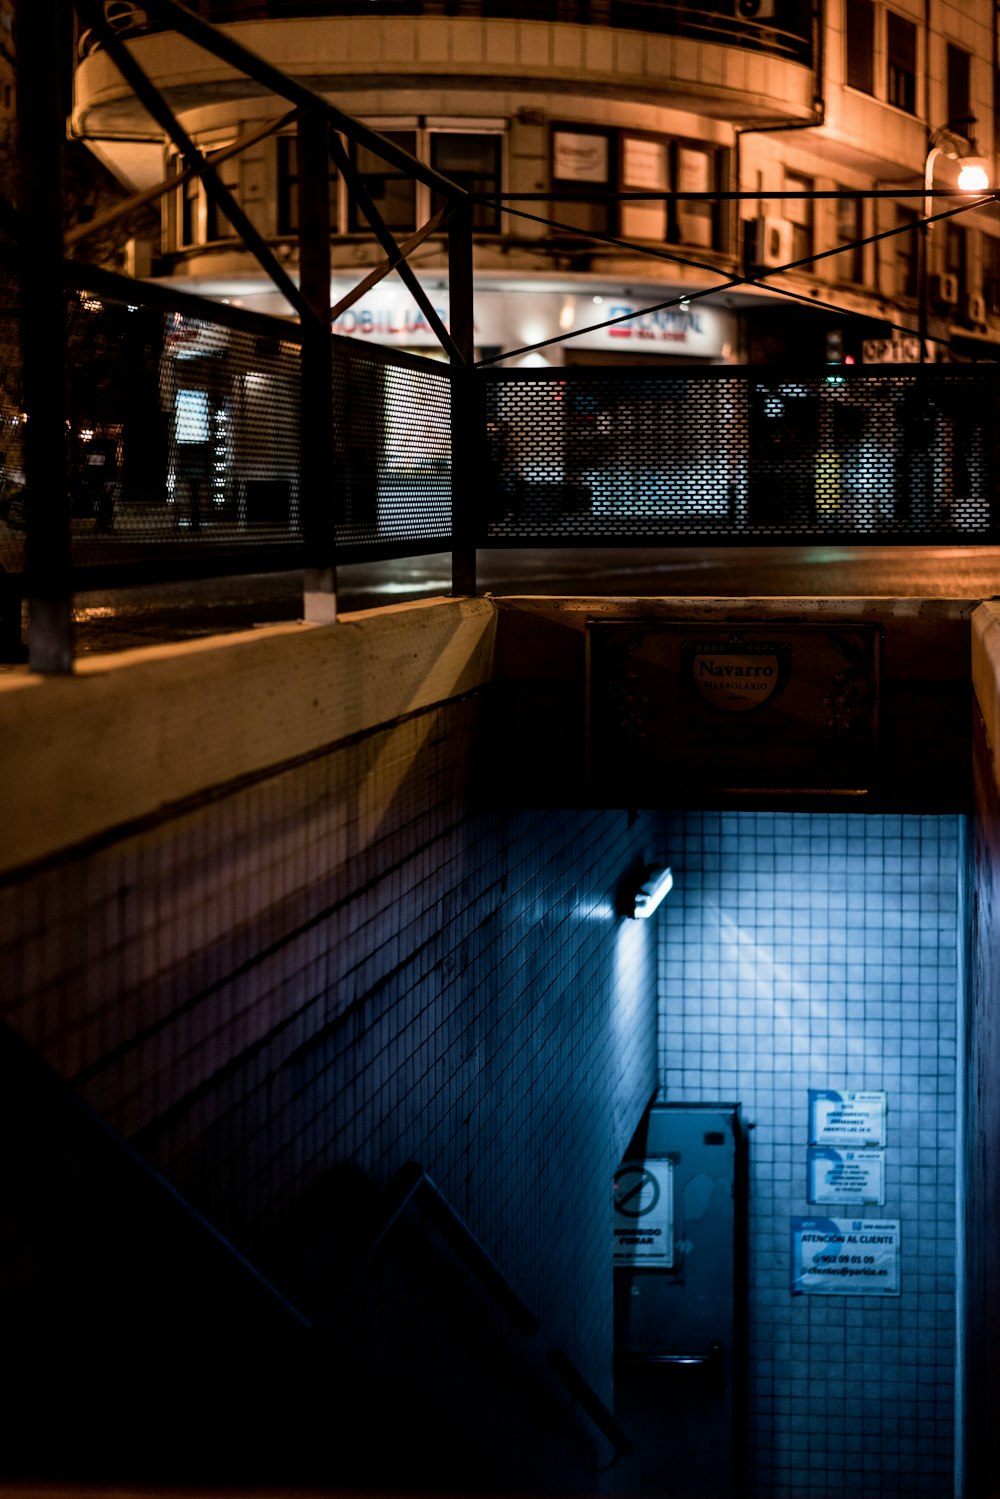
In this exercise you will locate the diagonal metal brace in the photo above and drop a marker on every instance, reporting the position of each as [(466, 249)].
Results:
[(223, 46), (151, 98), (379, 272), (389, 245), (170, 184)]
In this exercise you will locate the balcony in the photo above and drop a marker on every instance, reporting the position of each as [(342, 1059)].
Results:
[(780, 28)]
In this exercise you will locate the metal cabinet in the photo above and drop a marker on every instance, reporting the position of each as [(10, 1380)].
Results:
[(680, 1302)]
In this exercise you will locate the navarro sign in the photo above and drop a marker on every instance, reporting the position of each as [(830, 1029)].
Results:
[(697, 707), (739, 677)]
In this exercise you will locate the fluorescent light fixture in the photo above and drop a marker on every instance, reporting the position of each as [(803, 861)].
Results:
[(656, 883)]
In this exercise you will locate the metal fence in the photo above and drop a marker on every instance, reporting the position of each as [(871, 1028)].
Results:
[(183, 448), (183, 439), (605, 456)]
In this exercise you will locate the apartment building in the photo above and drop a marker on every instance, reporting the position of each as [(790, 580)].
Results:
[(827, 119)]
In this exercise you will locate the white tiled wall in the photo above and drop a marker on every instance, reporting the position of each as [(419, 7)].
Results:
[(807, 951)]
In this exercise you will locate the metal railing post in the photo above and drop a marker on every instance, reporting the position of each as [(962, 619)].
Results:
[(40, 115), (465, 420), (316, 464)]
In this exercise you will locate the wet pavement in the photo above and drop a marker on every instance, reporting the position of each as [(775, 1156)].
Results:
[(118, 619)]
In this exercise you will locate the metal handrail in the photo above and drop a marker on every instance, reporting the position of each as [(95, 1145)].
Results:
[(411, 1184), (43, 1102)]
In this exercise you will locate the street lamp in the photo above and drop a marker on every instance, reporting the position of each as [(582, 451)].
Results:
[(973, 176)]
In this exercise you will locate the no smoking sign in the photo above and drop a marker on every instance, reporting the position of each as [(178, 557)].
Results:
[(643, 1214)]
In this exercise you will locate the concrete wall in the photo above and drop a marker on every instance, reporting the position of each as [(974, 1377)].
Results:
[(807, 951), (258, 913), (982, 1102)]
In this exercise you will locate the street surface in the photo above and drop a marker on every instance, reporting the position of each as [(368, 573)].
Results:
[(121, 618)]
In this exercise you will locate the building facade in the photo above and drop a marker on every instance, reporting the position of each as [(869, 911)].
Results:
[(787, 130)]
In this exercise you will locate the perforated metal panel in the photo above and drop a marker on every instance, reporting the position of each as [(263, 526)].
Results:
[(392, 442), (183, 438), (580, 455)]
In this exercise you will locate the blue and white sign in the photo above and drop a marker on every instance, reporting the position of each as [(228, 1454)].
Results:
[(844, 1257), (846, 1118), (837, 1174)]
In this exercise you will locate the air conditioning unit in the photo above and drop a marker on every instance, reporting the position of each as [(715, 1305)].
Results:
[(125, 15), (975, 308), (944, 290), (768, 241)]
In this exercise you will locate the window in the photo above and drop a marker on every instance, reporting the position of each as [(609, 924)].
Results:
[(198, 219), (907, 249), (860, 70), (288, 188), (959, 106), (956, 258), (645, 167), (473, 161), (581, 156), (187, 206), (217, 226), (850, 226), (697, 172), (640, 163), (901, 50), (991, 273), (799, 211), (392, 192)]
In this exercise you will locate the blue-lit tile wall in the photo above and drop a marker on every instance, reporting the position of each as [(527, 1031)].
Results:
[(807, 951), (312, 979)]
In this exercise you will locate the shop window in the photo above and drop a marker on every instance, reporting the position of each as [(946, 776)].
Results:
[(582, 157), (799, 212), (959, 105), (860, 70), (473, 161), (288, 188), (851, 226), (391, 190), (991, 273), (907, 251), (901, 51)]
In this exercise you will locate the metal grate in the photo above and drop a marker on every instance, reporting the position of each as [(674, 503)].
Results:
[(183, 431), (713, 455), (183, 438), (392, 443)]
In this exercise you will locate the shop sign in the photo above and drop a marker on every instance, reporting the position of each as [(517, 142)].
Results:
[(899, 350), (838, 1175), (678, 708), (675, 330), (517, 319), (742, 675), (644, 1214), (579, 157), (846, 1118), (844, 1257)]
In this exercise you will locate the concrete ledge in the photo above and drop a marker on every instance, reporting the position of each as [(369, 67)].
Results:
[(131, 733), (986, 677)]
